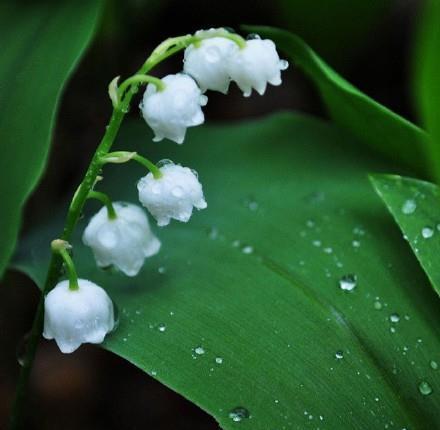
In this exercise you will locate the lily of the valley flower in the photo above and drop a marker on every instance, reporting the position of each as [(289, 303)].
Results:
[(74, 317), (207, 63), (256, 65), (173, 195), (170, 111), (124, 241)]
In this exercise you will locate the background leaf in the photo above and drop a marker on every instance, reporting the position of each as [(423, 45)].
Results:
[(41, 44), (243, 307), (427, 61), (329, 24), (415, 206), (374, 124)]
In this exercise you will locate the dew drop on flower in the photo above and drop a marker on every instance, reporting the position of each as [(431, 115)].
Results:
[(424, 388), (239, 414), (348, 282), (409, 206), (427, 232)]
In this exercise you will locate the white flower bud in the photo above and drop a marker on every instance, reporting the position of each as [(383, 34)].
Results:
[(125, 241), (256, 65), (169, 112), (173, 195), (74, 317), (208, 63)]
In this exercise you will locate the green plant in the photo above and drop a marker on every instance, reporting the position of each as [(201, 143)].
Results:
[(294, 300)]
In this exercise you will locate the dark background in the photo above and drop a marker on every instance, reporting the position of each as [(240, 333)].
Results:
[(368, 41)]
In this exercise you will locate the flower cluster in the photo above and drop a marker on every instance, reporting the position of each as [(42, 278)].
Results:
[(119, 234), (210, 64)]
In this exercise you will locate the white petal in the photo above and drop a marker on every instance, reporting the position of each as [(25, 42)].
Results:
[(256, 65), (76, 317), (171, 111), (173, 195), (122, 241)]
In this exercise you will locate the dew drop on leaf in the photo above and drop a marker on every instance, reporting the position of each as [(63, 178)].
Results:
[(161, 327), (377, 305), (348, 282), (219, 360), (247, 249), (239, 414), (394, 318), (433, 364), (427, 232), (409, 206), (339, 355), (199, 350), (424, 388)]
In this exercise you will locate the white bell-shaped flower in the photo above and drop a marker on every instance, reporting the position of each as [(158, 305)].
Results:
[(256, 65), (169, 112), (74, 317), (207, 63), (125, 241), (173, 195)]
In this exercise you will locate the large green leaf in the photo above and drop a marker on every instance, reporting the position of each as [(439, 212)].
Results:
[(415, 206), (374, 124), (427, 61), (41, 42), (243, 308)]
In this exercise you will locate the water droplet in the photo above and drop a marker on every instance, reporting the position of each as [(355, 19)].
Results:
[(394, 318), (377, 305), (239, 414), (251, 36), (213, 233), (162, 270), (348, 282), (283, 64), (339, 355), (355, 243), (236, 243), (199, 350), (161, 327), (115, 317), (409, 206), (219, 360), (247, 249), (164, 162), (424, 388), (22, 348), (427, 232), (310, 223), (328, 250), (433, 364), (316, 243), (359, 231)]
